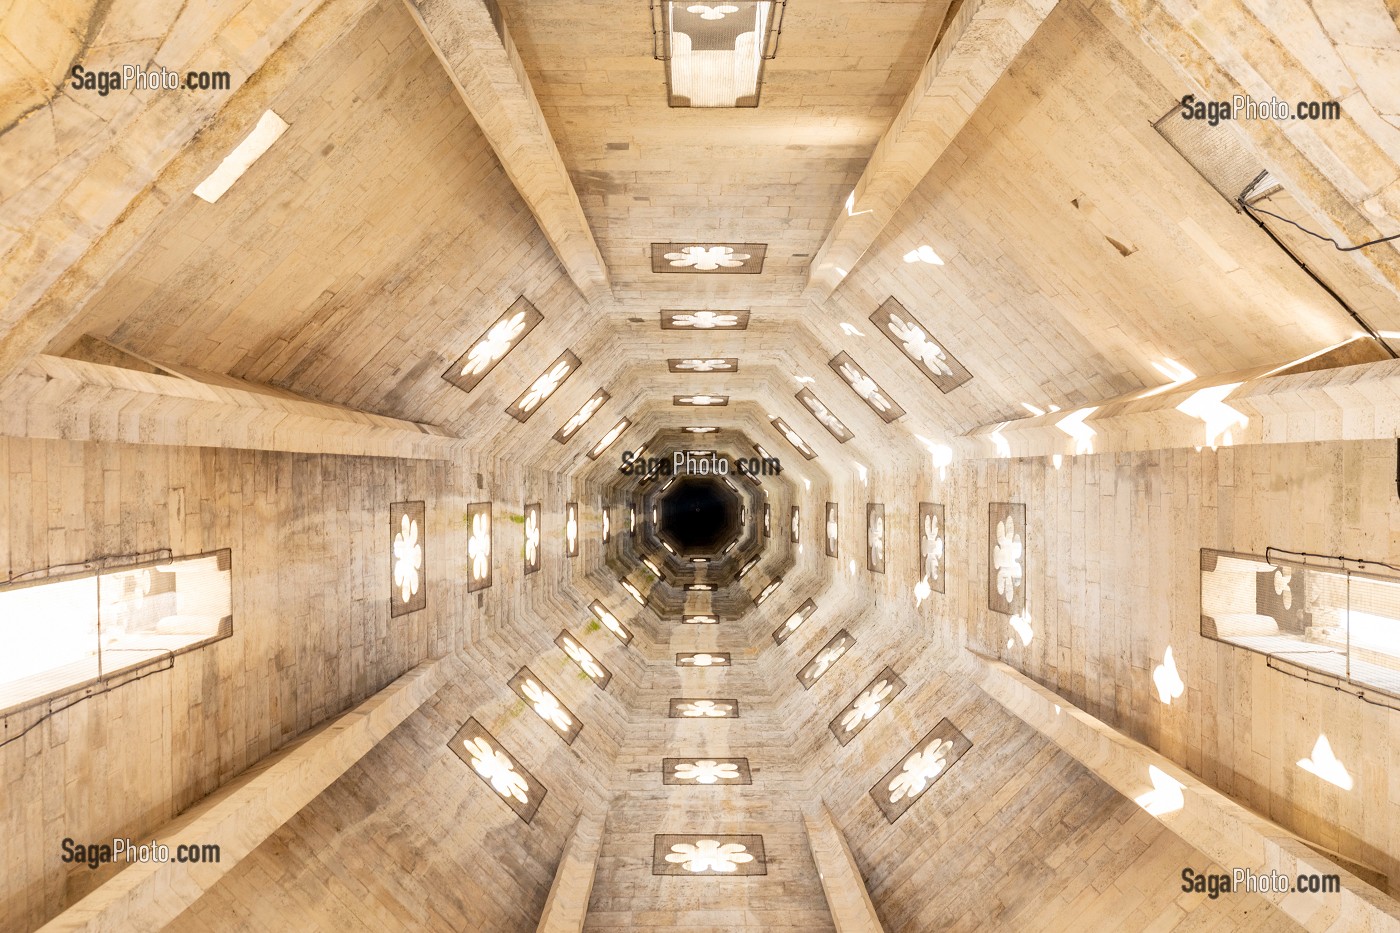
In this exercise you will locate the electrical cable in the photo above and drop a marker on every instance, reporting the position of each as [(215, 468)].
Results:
[(93, 564), (104, 687), (1340, 686), (1270, 551), (1338, 246), (1249, 211)]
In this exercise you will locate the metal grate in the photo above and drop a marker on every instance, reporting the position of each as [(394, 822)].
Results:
[(1323, 615), (1218, 154)]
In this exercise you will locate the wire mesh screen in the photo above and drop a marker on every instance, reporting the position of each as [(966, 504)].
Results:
[(715, 52), (1216, 152), (1328, 619)]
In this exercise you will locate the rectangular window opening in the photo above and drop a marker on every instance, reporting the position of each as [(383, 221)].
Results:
[(1326, 617), (63, 634)]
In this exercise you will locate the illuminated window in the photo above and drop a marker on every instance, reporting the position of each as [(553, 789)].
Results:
[(710, 772), (546, 705), (408, 591), (542, 388), (750, 565), (478, 546), (833, 530), (931, 543), (607, 530), (714, 52), (824, 659), (704, 659), (794, 621), (610, 622), (532, 537), (708, 855), (582, 416), (794, 439), (699, 619), (571, 529), (704, 320), (704, 365), (708, 259), (86, 630), (869, 703), (875, 537), (861, 383), (918, 346), (633, 591), (1311, 616), (919, 769), (795, 525), (607, 439), (500, 769), (767, 591), (491, 347), (823, 414), (1006, 523), (767, 520), (589, 665), (686, 708), (700, 401), (701, 430)]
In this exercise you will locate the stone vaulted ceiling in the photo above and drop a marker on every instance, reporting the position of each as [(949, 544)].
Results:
[(1018, 360)]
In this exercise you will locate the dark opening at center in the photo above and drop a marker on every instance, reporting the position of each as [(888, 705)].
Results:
[(699, 516)]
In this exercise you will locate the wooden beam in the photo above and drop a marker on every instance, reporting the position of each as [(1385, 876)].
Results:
[(851, 908), (148, 895), (978, 45), (475, 48), (1203, 817), (567, 906)]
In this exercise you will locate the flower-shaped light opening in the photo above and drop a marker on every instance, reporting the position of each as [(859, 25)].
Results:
[(408, 559)]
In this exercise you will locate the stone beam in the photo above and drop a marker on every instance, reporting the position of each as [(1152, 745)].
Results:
[(87, 177), (475, 48), (1221, 829), (75, 400), (147, 896), (977, 47), (846, 896), (567, 906), (1284, 405)]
